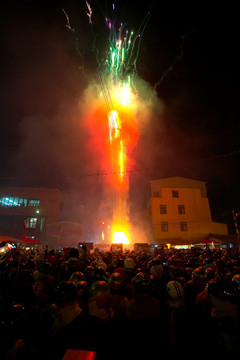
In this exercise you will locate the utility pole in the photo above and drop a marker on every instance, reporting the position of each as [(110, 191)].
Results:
[(235, 218)]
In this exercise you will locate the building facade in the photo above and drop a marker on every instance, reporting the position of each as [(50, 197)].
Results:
[(180, 212), (27, 211), (64, 234)]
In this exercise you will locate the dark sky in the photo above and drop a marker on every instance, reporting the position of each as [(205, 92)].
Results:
[(187, 54)]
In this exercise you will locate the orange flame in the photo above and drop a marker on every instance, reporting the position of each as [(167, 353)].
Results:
[(114, 140), (120, 237)]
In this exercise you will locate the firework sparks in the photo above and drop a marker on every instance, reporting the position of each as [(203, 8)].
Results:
[(123, 132), (116, 73), (89, 13)]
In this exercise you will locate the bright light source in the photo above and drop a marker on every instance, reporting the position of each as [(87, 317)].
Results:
[(120, 237)]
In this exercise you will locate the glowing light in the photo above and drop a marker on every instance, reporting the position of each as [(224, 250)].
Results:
[(124, 93), (114, 129), (119, 237), (121, 160)]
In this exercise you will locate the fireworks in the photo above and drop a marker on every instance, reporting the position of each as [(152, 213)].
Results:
[(123, 132), (116, 71)]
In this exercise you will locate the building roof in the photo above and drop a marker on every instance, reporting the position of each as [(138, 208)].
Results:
[(179, 182)]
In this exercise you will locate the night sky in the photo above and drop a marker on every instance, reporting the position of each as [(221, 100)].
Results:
[(188, 58)]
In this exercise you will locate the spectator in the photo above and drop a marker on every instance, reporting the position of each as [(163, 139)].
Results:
[(194, 286), (119, 301), (99, 303), (143, 317), (72, 328)]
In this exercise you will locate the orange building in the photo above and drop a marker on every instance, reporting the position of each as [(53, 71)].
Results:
[(180, 211)]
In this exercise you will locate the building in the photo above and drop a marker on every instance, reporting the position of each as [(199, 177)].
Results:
[(64, 234), (180, 212), (27, 211)]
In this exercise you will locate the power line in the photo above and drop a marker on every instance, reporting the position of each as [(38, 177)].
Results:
[(110, 173), (217, 157)]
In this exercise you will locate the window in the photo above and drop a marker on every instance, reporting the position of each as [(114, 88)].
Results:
[(31, 223), (181, 209), (175, 193), (7, 201), (163, 209), (164, 226), (157, 194), (32, 202), (22, 202), (183, 226)]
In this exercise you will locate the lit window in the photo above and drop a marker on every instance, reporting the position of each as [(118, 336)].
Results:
[(164, 226), (181, 209), (31, 223), (33, 202), (175, 193), (183, 226), (9, 201), (163, 209), (22, 202)]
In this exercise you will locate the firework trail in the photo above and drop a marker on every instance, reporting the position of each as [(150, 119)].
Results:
[(112, 117), (116, 83)]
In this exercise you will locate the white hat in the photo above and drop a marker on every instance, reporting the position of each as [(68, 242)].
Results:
[(175, 290)]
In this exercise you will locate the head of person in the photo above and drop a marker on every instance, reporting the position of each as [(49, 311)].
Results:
[(65, 292), (142, 283), (77, 276), (156, 269), (176, 294), (99, 302), (116, 283), (199, 277)]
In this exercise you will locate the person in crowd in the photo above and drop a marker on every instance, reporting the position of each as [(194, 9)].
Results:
[(158, 286), (72, 328), (99, 303), (144, 320), (194, 286), (82, 295), (15, 332), (119, 301), (177, 315), (224, 300)]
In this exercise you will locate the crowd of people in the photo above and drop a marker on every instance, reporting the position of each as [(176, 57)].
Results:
[(80, 304)]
